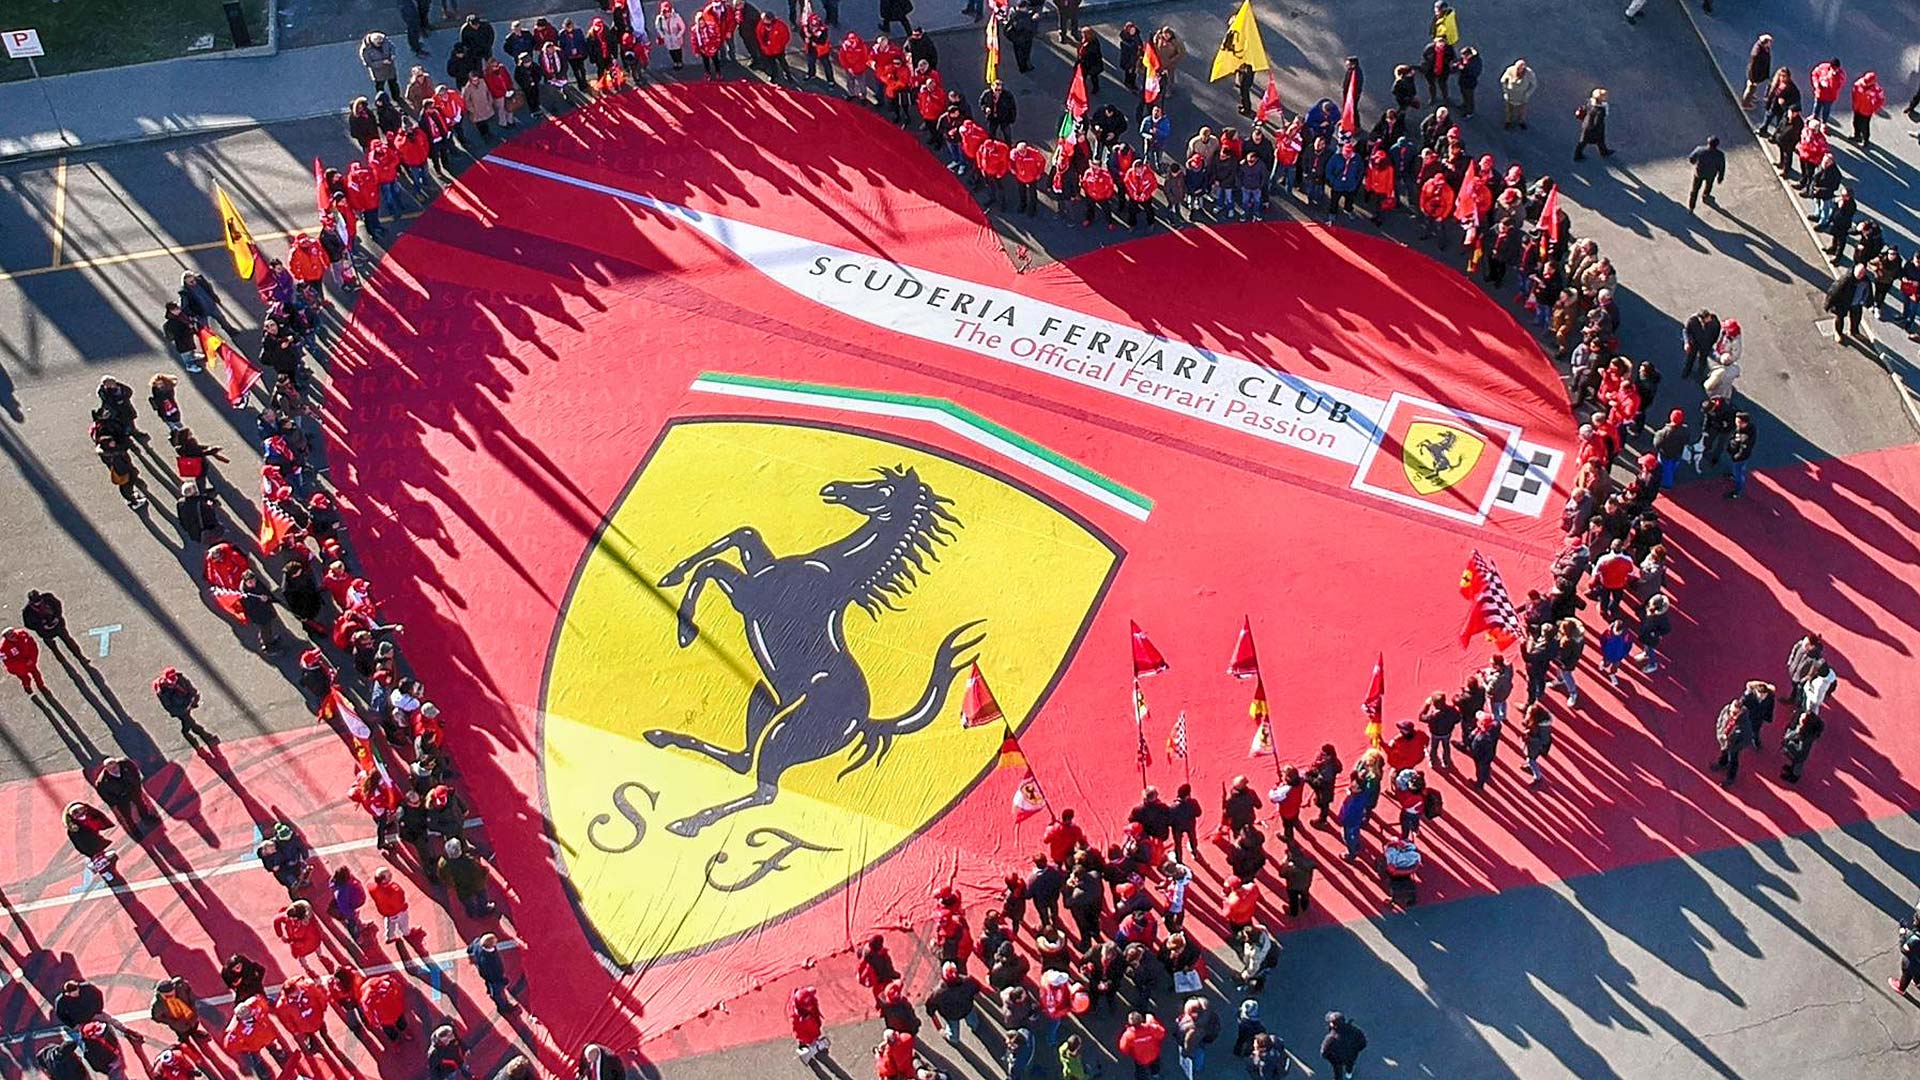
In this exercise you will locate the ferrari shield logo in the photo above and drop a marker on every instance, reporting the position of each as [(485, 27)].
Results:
[(754, 693), (1438, 455)]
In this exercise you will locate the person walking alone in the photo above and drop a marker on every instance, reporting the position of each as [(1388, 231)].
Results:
[(1709, 168), (1593, 126)]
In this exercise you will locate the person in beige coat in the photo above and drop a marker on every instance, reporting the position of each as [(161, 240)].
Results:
[(1517, 85), (1166, 45)]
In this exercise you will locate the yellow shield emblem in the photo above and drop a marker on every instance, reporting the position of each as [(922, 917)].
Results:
[(754, 693), (1438, 455)]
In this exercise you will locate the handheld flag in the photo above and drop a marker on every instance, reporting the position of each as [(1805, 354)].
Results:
[(239, 239), (1350, 106), (235, 372), (1376, 698), (1244, 665), (1466, 204), (1262, 720), (1492, 612), (228, 600), (993, 45), (1242, 45), (336, 706), (1143, 757), (1028, 799), (1146, 659), (1077, 97), (977, 706), (275, 526), (322, 198), (1177, 739), (1270, 102), (1011, 756), (1550, 214), (1150, 90)]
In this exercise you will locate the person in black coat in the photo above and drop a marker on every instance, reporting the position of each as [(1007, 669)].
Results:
[(998, 110), (1342, 1046), (1091, 59), (1709, 168), (1467, 68), (1132, 51), (1436, 63), (1593, 126), (1759, 68), (1841, 296), (1786, 140), (920, 47), (46, 616), (477, 35), (257, 604), (1020, 25), (896, 11)]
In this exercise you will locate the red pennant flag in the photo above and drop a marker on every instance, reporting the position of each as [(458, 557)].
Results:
[(275, 526), (977, 706), (1466, 204), (1244, 665), (1550, 214), (1077, 94), (235, 372), (322, 198), (1376, 700), (1350, 107), (1269, 102), (336, 706), (228, 600), (1146, 659)]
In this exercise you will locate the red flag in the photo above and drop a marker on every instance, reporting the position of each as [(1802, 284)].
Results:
[(228, 600), (322, 198), (1077, 95), (1269, 102), (336, 706), (977, 706), (1028, 799), (1375, 703), (1550, 214), (275, 525), (1244, 665), (235, 372), (1350, 106), (1466, 204), (1146, 659), (1150, 60)]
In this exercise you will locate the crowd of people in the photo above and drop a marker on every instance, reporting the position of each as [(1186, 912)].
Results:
[(1111, 927)]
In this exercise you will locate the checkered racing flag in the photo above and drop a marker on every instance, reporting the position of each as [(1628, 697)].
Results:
[(1177, 739), (1492, 611)]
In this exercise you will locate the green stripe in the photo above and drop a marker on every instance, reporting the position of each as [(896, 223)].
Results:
[(964, 415)]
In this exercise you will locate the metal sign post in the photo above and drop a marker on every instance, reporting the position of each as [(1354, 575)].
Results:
[(25, 45)]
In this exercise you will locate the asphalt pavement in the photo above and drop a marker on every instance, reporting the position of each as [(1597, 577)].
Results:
[(1752, 962)]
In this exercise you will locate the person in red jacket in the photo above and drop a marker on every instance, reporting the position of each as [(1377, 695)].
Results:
[(383, 157), (772, 34), (300, 929), (383, 1003), (1869, 97), (893, 1058), (1142, 184), (1407, 748), (1238, 902), (1140, 1043), (803, 1013), (707, 39), (177, 1063), (1098, 187), (1287, 798), (817, 44), (390, 900), (302, 1008), (932, 101), (854, 58), (895, 77), (21, 654), (307, 262), (1379, 184), (1436, 206), (363, 198), (993, 159), (1029, 164), (972, 135), (1062, 836), (1828, 79), (251, 1033)]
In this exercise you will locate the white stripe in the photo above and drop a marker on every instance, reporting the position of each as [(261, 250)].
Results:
[(251, 862), (424, 971), (938, 418)]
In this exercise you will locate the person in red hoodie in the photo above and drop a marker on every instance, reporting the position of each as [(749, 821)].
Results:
[(803, 1013), (856, 59), (994, 160), (1140, 1043), (251, 1033), (1098, 187), (772, 34), (932, 101), (1407, 748), (307, 262), (383, 157), (300, 929), (383, 1003), (1869, 97), (972, 135), (302, 1008), (363, 198), (952, 938), (1029, 164), (895, 78), (1142, 184), (21, 655)]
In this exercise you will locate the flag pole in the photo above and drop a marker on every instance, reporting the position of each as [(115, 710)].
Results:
[(1273, 744)]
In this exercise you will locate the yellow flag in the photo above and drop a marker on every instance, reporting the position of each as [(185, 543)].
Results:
[(238, 239), (1242, 45)]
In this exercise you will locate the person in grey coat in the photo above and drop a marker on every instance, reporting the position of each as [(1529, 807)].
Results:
[(377, 56)]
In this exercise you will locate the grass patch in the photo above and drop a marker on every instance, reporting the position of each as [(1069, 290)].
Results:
[(82, 35)]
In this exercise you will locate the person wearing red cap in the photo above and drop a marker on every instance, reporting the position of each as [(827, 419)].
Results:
[(1670, 446), (803, 1014), (21, 655), (856, 59)]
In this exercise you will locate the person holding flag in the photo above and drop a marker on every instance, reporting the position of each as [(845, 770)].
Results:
[(1241, 46)]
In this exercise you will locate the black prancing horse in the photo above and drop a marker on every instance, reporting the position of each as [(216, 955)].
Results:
[(813, 700), (1439, 449)]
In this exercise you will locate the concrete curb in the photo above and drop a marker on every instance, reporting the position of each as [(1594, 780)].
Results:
[(1881, 353)]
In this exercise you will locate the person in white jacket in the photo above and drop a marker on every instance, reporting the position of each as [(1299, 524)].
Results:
[(1723, 370), (672, 30)]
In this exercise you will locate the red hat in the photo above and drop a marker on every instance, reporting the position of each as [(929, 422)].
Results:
[(1731, 327), (1677, 416)]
